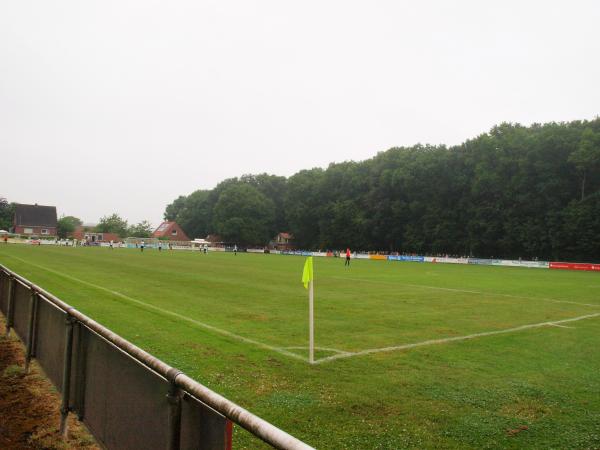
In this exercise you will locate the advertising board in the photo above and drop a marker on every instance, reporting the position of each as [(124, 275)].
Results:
[(445, 260), (575, 266), (406, 258), (480, 261), (530, 264)]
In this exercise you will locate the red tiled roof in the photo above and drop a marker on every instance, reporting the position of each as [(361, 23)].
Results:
[(165, 230)]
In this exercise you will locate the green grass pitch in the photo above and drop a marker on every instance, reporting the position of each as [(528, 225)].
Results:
[(239, 324)]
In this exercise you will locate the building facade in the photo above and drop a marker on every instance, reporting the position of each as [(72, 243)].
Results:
[(82, 233), (35, 220), (283, 241)]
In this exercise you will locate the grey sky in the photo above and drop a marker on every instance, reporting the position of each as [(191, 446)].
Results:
[(121, 106)]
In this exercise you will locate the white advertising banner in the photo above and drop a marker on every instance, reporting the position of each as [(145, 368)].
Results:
[(531, 264), (444, 260)]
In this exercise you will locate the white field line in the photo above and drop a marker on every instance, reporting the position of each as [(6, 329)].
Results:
[(172, 314), (457, 338), (325, 349), (560, 326), (423, 286)]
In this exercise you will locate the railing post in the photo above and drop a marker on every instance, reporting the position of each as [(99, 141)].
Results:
[(10, 305), (3, 276), (66, 382), (174, 399), (81, 371), (31, 329)]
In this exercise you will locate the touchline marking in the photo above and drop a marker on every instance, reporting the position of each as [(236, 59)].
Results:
[(457, 338), (172, 314), (325, 349), (560, 326), (424, 286)]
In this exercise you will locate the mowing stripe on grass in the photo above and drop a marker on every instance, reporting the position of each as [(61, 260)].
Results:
[(170, 313), (437, 288), (457, 338)]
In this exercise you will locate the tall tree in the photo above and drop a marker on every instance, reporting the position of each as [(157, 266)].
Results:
[(141, 229), (274, 188), (303, 206), (67, 224), (587, 156), (173, 209), (112, 224), (244, 215), (7, 211), (195, 214)]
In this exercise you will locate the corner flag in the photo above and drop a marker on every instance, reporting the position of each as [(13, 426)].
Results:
[(307, 280), (307, 273)]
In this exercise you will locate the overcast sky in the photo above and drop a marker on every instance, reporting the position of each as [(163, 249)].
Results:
[(121, 106)]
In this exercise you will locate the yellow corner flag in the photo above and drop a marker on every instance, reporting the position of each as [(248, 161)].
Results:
[(307, 273)]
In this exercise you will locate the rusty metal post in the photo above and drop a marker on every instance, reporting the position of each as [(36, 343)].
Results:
[(30, 329), (10, 305), (174, 399), (3, 276), (66, 382), (81, 371)]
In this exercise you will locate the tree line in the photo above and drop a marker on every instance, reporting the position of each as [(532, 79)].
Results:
[(107, 224), (67, 224), (116, 224), (516, 191)]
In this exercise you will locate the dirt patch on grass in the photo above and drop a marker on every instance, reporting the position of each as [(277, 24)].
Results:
[(30, 406), (526, 409), (515, 431)]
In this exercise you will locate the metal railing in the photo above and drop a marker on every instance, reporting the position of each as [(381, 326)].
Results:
[(127, 398)]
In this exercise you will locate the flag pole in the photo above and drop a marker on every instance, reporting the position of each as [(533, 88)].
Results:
[(308, 282), (311, 321)]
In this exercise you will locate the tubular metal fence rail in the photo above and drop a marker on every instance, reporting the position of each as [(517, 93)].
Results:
[(126, 397)]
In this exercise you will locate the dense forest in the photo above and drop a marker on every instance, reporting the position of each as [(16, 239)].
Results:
[(516, 191)]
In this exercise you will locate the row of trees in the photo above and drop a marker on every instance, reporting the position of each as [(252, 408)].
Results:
[(67, 224), (116, 224), (512, 192), (247, 210), (107, 224)]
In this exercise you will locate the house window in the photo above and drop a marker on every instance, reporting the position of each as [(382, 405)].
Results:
[(28, 230), (44, 231), (174, 232)]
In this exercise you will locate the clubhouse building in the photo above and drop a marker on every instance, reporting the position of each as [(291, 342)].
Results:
[(35, 220)]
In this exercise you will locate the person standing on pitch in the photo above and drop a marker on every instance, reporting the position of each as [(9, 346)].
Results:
[(347, 263), (235, 250), (142, 246)]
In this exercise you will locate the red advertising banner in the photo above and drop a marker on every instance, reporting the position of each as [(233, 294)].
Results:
[(574, 266)]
